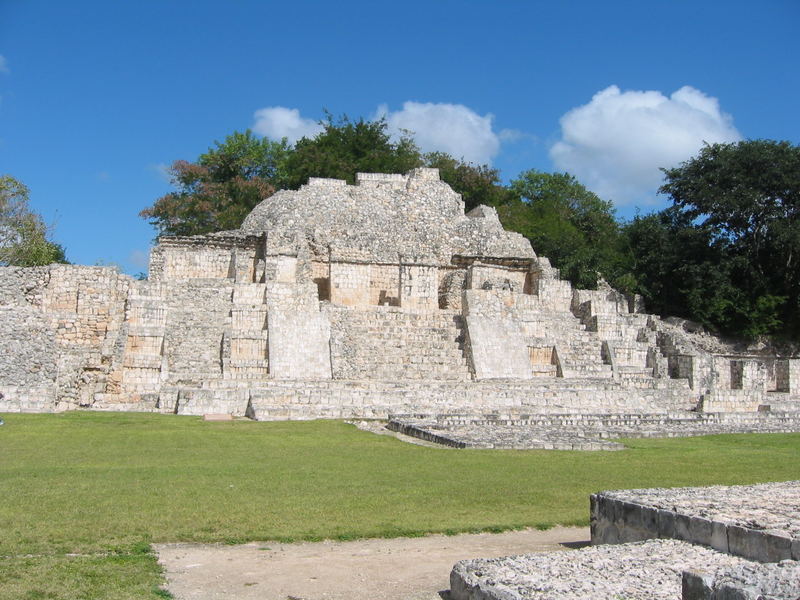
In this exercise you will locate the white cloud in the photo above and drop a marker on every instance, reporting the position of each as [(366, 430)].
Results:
[(451, 128), (4, 65), (277, 122), (139, 258), (616, 143), (162, 171), (515, 135)]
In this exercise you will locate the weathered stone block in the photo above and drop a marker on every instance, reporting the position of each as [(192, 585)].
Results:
[(719, 536), (696, 585), (701, 531)]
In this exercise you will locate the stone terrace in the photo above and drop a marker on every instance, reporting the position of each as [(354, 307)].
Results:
[(577, 431), (715, 543), (649, 570)]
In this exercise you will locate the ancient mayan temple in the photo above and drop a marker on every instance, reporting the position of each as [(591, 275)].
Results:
[(348, 301)]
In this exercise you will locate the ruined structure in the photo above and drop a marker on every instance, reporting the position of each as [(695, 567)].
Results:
[(708, 543), (342, 301)]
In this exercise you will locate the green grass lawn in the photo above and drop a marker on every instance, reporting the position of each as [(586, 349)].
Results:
[(82, 495)]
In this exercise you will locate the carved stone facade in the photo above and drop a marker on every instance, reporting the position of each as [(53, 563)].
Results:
[(358, 301)]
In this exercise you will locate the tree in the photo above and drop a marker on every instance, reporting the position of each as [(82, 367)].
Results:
[(23, 233), (681, 271), (567, 223), (219, 190), (747, 196), (347, 147), (477, 184)]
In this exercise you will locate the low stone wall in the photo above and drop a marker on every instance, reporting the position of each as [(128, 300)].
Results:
[(777, 581), (758, 522), (581, 431)]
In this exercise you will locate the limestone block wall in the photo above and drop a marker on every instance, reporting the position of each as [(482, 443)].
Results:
[(497, 349), (29, 360), (216, 256), (299, 344), (384, 285), (197, 317), (58, 333), (481, 276), (195, 263), (753, 522), (384, 216), (748, 374), (391, 343), (451, 285), (720, 400), (377, 284), (350, 284)]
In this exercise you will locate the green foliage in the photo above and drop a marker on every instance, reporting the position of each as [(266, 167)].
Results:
[(218, 190), (23, 233), (679, 270), (740, 203), (567, 223), (477, 184), (222, 187), (347, 147)]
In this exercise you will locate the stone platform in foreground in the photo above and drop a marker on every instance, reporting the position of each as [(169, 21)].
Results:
[(716, 543), (759, 522), (648, 570)]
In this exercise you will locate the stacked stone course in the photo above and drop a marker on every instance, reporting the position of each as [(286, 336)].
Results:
[(370, 300)]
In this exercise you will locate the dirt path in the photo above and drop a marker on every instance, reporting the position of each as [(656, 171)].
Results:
[(395, 569)]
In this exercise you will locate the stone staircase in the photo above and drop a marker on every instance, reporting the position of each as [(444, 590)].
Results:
[(146, 318), (245, 353), (579, 350), (628, 341), (385, 343)]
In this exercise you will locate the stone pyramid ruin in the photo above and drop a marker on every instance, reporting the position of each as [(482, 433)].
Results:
[(376, 300)]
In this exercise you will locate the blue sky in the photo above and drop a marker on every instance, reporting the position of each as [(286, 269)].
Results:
[(97, 97)]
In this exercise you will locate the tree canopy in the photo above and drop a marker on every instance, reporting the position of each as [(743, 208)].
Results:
[(744, 198), (567, 223), (347, 147), (217, 191), (23, 234), (221, 188)]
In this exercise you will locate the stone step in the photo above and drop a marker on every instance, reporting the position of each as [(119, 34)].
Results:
[(574, 431), (649, 570)]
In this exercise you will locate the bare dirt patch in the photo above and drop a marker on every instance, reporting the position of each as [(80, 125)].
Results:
[(394, 569)]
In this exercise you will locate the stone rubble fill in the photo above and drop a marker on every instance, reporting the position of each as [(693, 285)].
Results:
[(649, 570)]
